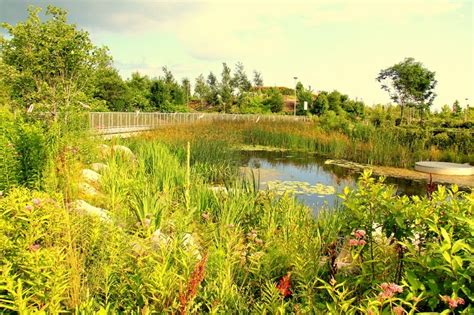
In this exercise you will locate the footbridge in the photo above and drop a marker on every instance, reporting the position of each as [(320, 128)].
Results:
[(111, 123)]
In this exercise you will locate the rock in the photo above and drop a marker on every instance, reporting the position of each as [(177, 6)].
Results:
[(124, 151), (84, 207), (91, 176), (87, 189), (159, 239), (98, 167), (190, 244), (105, 150)]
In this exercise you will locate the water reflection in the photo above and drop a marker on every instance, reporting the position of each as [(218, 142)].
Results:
[(302, 169)]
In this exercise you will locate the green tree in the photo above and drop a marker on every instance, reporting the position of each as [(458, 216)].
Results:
[(186, 86), (53, 62), (321, 104), (225, 87), (110, 87), (139, 90), (457, 110), (409, 83), (240, 80), (274, 100), (335, 101), (303, 95), (201, 89), (257, 79), (212, 97)]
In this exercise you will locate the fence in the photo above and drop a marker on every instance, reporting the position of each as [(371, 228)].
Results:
[(117, 122)]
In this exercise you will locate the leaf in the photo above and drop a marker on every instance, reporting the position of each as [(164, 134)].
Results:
[(446, 236)]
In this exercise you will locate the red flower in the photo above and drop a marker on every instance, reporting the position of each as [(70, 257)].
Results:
[(452, 302), (389, 290), (359, 234), (284, 285)]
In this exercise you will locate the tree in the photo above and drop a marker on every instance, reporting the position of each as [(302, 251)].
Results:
[(212, 97), (201, 90), (53, 62), (225, 88), (303, 95), (321, 104), (186, 86), (110, 87), (335, 101), (409, 83), (257, 79), (274, 100), (139, 90), (240, 79), (457, 110)]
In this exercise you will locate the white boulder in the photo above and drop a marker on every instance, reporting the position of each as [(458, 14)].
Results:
[(87, 189), (124, 151), (86, 208), (90, 176), (98, 167)]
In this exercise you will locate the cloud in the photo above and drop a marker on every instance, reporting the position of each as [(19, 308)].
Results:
[(226, 29), (105, 15)]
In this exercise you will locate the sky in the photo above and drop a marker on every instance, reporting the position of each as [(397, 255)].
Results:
[(327, 44)]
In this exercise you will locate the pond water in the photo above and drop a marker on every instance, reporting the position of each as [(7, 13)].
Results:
[(312, 181)]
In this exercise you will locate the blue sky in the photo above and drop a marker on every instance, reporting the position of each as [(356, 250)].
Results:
[(328, 44)]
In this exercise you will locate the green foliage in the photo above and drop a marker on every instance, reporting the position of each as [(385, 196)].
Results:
[(409, 83), (273, 100), (52, 63)]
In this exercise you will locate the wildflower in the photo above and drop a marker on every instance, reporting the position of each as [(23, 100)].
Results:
[(452, 302), (361, 242), (29, 208), (389, 290), (205, 216), (146, 222), (353, 242), (197, 276), (258, 241), (284, 285), (398, 310), (359, 234), (36, 201), (34, 247)]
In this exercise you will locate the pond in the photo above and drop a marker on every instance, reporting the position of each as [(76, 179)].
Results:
[(312, 181)]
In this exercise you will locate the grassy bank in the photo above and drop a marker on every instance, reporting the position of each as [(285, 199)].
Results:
[(396, 146), (170, 241)]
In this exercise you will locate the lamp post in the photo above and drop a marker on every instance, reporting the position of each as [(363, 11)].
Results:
[(296, 97)]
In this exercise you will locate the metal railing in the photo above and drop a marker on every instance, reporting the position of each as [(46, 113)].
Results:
[(119, 122)]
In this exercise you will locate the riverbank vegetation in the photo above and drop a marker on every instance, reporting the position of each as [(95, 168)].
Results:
[(165, 236), (165, 223)]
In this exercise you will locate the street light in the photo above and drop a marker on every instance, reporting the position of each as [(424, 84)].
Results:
[(296, 97)]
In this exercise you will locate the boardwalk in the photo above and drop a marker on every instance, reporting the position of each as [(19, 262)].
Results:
[(109, 123)]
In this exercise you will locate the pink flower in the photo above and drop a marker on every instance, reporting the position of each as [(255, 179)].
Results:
[(389, 290), (205, 216), (29, 208), (34, 247), (353, 242), (452, 302), (398, 310), (359, 234), (362, 242), (146, 222), (36, 201)]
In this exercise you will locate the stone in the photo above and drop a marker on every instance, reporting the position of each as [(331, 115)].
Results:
[(87, 189), (159, 239), (91, 176), (99, 167), (190, 244), (124, 151), (86, 208)]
